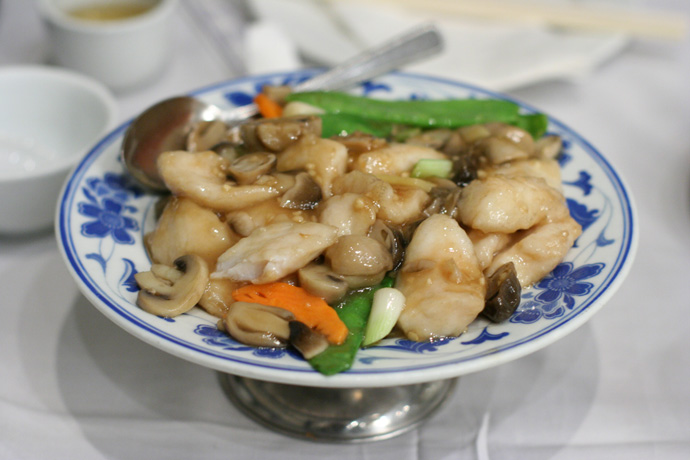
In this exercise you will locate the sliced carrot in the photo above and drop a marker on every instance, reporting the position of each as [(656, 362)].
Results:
[(268, 108), (307, 308)]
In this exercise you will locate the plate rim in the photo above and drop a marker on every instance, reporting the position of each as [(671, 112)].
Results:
[(466, 365)]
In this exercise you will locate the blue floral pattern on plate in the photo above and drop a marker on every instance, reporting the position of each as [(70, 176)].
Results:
[(103, 219)]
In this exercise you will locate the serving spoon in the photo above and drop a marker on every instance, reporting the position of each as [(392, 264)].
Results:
[(165, 125)]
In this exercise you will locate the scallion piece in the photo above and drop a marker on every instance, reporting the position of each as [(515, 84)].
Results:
[(385, 311), (432, 168)]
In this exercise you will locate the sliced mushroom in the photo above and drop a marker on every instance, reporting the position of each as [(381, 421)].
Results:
[(307, 341), (502, 294), (304, 194), (357, 143), (321, 281), (170, 291), (444, 200), (276, 134), (258, 325), (247, 168), (466, 164), (391, 237), (227, 150), (362, 281), (205, 135)]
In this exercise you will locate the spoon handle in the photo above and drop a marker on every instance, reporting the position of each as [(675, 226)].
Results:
[(421, 42)]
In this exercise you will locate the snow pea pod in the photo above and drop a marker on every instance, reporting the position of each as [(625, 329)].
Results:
[(342, 124), (355, 112), (534, 123), (451, 113), (354, 311)]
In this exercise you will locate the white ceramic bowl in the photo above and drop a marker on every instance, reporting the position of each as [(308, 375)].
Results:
[(123, 53), (49, 119)]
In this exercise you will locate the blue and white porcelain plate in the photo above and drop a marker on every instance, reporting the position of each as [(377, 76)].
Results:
[(102, 219)]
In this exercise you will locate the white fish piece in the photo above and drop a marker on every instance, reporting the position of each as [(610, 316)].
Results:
[(202, 177), (546, 168), (441, 280), (246, 220), (396, 204), (187, 228), (350, 213), (500, 204), (323, 159), (394, 159), (539, 250), (274, 251), (487, 245), (527, 222)]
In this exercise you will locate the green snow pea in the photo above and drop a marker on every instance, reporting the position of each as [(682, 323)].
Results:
[(354, 311), (451, 113)]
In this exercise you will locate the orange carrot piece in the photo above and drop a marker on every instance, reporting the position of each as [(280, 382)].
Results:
[(268, 108), (307, 308)]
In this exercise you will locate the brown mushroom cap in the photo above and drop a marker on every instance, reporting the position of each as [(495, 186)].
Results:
[(304, 194), (307, 341), (502, 293)]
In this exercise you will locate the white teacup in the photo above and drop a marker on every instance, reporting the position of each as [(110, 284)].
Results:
[(122, 43)]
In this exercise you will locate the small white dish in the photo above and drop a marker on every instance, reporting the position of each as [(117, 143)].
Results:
[(49, 119), (123, 53), (103, 217)]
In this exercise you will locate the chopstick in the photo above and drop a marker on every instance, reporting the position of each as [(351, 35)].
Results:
[(637, 22)]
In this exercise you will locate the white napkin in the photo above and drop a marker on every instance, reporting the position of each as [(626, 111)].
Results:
[(498, 56)]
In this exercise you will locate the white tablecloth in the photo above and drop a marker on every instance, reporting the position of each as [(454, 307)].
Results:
[(75, 386)]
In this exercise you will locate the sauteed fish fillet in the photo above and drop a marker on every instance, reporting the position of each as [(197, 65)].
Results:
[(274, 251), (441, 280)]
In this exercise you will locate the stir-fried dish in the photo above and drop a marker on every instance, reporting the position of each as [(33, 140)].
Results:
[(333, 221)]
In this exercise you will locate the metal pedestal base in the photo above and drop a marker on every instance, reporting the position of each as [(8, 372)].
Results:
[(336, 414)]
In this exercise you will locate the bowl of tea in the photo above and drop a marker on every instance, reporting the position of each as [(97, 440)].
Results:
[(122, 43)]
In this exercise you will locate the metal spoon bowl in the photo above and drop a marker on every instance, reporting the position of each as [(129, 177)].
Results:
[(165, 125)]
